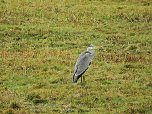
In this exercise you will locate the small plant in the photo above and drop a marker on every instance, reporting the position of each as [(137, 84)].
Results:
[(36, 99), (15, 105)]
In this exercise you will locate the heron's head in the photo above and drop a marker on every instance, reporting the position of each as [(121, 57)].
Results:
[(90, 47)]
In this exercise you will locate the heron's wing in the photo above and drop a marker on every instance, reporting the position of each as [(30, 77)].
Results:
[(92, 54), (82, 63)]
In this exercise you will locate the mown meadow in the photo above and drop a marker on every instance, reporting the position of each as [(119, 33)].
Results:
[(40, 41)]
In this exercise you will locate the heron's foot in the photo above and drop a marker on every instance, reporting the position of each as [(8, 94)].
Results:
[(83, 84)]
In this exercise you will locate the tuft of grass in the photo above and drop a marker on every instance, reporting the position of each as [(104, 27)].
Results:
[(35, 98), (137, 15), (14, 105)]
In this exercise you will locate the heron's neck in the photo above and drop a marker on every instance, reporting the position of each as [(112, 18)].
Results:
[(88, 49)]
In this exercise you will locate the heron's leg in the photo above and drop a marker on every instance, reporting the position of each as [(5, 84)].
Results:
[(81, 79), (84, 79)]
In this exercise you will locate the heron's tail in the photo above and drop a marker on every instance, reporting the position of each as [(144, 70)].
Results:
[(75, 79)]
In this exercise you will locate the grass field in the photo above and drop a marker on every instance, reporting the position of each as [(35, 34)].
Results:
[(40, 41)]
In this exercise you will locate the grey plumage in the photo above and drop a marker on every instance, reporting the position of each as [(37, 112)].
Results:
[(83, 62)]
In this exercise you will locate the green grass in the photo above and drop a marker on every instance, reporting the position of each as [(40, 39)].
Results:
[(40, 41)]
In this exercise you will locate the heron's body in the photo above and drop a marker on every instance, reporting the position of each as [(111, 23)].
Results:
[(82, 64)]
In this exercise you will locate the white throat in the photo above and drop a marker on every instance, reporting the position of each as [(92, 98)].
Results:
[(89, 48)]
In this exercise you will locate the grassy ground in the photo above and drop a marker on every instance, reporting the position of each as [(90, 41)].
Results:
[(41, 39)]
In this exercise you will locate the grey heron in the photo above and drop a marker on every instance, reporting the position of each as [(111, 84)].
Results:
[(83, 62)]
